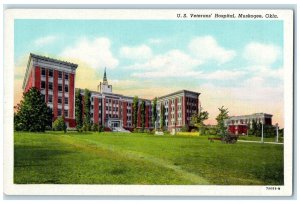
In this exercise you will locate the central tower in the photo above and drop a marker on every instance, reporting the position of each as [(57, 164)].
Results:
[(103, 87)]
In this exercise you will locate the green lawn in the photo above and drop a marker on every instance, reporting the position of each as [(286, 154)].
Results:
[(140, 158)]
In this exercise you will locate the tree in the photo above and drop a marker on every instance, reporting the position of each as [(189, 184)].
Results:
[(78, 109), (87, 106), (220, 119), (32, 114), (135, 110), (143, 114), (59, 124), (154, 113), (198, 120), (162, 116)]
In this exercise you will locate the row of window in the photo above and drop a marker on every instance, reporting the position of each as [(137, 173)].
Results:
[(50, 86), (50, 74), (59, 99), (59, 113)]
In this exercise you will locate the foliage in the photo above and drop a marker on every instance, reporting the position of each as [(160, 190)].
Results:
[(87, 107), (162, 116), (59, 124), (185, 128), (32, 114), (143, 114), (135, 111), (95, 127), (101, 128), (220, 120), (154, 112), (198, 121), (78, 109)]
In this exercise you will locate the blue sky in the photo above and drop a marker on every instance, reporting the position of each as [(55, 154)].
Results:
[(238, 64)]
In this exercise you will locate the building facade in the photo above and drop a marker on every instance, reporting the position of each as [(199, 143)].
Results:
[(241, 124), (56, 81), (115, 111), (178, 108)]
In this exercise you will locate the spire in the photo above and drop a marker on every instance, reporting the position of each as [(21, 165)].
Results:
[(104, 77)]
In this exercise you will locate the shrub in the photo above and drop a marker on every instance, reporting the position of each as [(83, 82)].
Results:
[(101, 128), (95, 127), (185, 128), (59, 124)]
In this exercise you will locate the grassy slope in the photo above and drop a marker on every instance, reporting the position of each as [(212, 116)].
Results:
[(115, 158)]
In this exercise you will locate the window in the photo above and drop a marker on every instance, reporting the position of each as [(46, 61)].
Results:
[(60, 75), (92, 107), (59, 100), (43, 72), (66, 113), (43, 84), (66, 101), (50, 86), (50, 98), (66, 88), (60, 87), (66, 76), (59, 112), (43, 97), (50, 73)]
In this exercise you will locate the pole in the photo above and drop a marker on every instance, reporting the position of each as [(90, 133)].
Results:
[(277, 132)]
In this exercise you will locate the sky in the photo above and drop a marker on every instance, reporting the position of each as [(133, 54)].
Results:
[(235, 64)]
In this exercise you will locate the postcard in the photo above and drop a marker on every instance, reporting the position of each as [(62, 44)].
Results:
[(166, 102)]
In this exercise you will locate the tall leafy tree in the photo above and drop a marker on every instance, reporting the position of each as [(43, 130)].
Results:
[(154, 113), (135, 110), (32, 114), (143, 114), (162, 116), (220, 119), (78, 109), (87, 107), (198, 120)]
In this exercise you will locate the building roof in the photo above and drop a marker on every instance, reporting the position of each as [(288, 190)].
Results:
[(250, 116), (52, 60), (31, 55), (178, 92)]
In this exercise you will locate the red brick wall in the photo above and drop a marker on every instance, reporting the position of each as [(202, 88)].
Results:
[(55, 92), (147, 116), (96, 110), (47, 85), (183, 107), (37, 78), (139, 116), (124, 114), (71, 95)]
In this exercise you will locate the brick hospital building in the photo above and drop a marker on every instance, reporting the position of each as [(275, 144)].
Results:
[(56, 81)]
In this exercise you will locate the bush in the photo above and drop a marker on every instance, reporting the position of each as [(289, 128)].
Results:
[(101, 128), (59, 124), (194, 130), (185, 128), (95, 127)]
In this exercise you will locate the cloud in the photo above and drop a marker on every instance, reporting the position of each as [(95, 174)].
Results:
[(261, 54), (172, 63), (40, 42), (155, 41), (96, 53), (222, 75), (266, 72), (207, 48), (141, 52)]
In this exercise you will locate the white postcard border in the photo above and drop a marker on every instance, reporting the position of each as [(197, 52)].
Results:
[(154, 14)]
